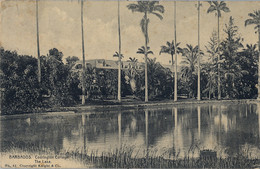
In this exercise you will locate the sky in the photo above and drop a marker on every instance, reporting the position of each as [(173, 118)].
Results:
[(59, 27)]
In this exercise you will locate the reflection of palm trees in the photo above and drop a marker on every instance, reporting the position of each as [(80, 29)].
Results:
[(146, 126), (258, 111), (83, 120), (219, 125), (175, 117), (119, 128), (199, 121)]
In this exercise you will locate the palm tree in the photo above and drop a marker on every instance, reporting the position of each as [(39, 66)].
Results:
[(175, 38), (190, 60), (132, 73), (83, 56), (198, 93), (217, 7), (38, 43), (170, 49), (143, 50), (116, 54), (119, 54), (146, 7), (255, 20)]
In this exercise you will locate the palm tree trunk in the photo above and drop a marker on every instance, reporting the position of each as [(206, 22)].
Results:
[(83, 57), (119, 57), (258, 96), (219, 90), (198, 50), (145, 57), (38, 43), (172, 72), (175, 38)]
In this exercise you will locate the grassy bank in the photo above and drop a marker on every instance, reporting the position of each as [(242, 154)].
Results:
[(123, 158), (127, 158), (110, 105)]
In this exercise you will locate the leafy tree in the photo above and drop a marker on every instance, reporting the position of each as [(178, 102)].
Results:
[(160, 80), (210, 68), (217, 7), (55, 80), (19, 80), (255, 20), (231, 66), (209, 74), (71, 60), (146, 7), (248, 60)]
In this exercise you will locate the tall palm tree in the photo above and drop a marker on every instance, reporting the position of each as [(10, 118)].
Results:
[(198, 6), (255, 20), (217, 7), (170, 49), (38, 42), (119, 54), (83, 55), (175, 38), (146, 7)]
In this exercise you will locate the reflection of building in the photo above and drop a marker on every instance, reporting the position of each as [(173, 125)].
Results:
[(109, 64)]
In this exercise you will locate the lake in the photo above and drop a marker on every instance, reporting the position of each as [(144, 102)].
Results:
[(176, 130)]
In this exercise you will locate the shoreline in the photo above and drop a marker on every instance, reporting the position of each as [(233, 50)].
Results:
[(151, 104), (128, 106)]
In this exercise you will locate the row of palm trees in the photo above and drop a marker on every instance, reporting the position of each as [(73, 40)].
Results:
[(154, 8)]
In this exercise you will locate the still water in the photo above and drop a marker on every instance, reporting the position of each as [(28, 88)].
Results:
[(225, 128)]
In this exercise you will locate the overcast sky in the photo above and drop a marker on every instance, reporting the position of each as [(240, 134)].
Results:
[(59, 23)]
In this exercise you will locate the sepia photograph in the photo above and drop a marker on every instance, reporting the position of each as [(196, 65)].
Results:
[(129, 84)]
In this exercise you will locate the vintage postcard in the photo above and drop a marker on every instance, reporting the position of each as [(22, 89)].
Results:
[(129, 84)]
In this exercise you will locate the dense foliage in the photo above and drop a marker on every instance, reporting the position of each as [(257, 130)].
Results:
[(61, 83)]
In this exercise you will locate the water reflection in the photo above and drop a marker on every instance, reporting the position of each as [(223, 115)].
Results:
[(119, 128), (199, 122), (173, 129)]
